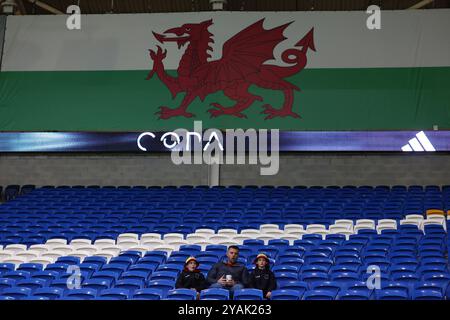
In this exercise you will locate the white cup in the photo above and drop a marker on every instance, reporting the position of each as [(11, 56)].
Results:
[(229, 277)]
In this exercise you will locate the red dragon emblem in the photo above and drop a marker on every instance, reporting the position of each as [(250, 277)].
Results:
[(241, 65)]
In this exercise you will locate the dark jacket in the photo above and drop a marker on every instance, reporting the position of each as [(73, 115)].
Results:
[(238, 271), (263, 279), (191, 279)]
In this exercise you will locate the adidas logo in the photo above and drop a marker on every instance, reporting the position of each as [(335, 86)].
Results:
[(419, 143)]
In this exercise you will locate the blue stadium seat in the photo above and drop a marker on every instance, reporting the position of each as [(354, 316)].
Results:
[(344, 277), (248, 294), (5, 267), (17, 292), (388, 294), (106, 275), (89, 268), (7, 283), (144, 267), (30, 267), (181, 294), (130, 254), (312, 276), (31, 283), (16, 275), (115, 293), (319, 295), (427, 294), (57, 267), (69, 260), (148, 294), (98, 284), (354, 295), (83, 293), (119, 263), (163, 285), (36, 298), (286, 294), (330, 286), (169, 268), (214, 294), (283, 276), (49, 292), (285, 269), (164, 275), (139, 275), (99, 261)]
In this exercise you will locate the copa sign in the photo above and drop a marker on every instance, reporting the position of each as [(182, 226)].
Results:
[(198, 146), (172, 139)]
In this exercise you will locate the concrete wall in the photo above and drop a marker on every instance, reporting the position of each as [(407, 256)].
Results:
[(347, 169), (107, 169), (157, 169)]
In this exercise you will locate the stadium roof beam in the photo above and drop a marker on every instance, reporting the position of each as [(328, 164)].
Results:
[(421, 4), (21, 7), (45, 6)]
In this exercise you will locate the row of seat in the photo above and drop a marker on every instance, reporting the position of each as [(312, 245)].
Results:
[(147, 270), (112, 275), (39, 234), (267, 234), (425, 293), (306, 193), (131, 243)]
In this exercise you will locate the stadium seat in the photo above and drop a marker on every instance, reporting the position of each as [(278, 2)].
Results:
[(214, 294), (148, 294), (329, 286), (49, 292), (163, 285), (11, 192), (286, 295), (17, 293), (6, 283), (98, 284), (354, 295), (181, 294), (427, 294), (85, 294), (319, 295), (248, 294), (31, 283), (115, 293), (413, 261), (388, 294)]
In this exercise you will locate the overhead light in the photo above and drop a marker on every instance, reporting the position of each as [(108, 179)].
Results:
[(217, 4), (8, 6)]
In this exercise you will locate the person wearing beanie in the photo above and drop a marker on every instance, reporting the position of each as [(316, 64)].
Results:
[(262, 277), (191, 277)]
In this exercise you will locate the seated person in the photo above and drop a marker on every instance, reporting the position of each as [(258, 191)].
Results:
[(191, 277), (262, 277), (229, 274)]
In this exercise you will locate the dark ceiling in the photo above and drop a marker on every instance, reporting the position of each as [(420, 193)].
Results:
[(141, 6)]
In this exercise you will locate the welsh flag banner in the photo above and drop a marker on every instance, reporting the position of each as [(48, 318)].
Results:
[(299, 71)]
